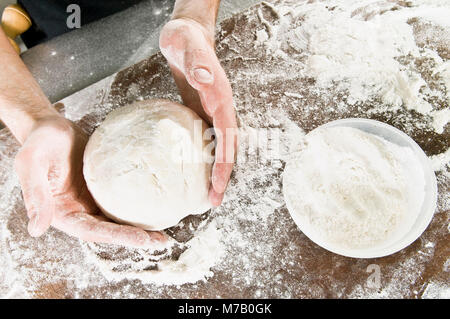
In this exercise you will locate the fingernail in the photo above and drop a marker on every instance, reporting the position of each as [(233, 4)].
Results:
[(215, 198), (202, 75), (154, 238), (33, 228), (160, 237), (157, 241), (219, 184)]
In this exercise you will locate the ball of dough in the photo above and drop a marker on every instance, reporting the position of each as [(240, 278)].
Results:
[(148, 165)]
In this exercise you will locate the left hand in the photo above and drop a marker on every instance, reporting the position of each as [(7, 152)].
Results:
[(188, 47), (50, 170)]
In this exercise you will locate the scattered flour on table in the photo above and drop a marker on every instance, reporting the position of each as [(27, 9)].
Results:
[(440, 161), (436, 291), (358, 46), (396, 281), (202, 252)]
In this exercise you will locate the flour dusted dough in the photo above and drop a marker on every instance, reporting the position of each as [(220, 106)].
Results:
[(147, 164)]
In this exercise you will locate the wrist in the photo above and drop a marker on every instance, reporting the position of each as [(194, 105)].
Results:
[(34, 120), (21, 122), (203, 12), (208, 28), (208, 32)]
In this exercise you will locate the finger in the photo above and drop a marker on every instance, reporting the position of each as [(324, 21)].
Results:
[(219, 98), (198, 62), (189, 94), (204, 72), (184, 45), (97, 229), (32, 171), (224, 121), (215, 198)]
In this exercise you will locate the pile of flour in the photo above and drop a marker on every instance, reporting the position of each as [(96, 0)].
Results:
[(194, 264), (353, 189), (361, 48)]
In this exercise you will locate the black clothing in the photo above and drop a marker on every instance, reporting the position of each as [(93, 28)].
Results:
[(49, 17)]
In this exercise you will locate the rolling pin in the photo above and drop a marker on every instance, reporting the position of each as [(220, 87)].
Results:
[(15, 21)]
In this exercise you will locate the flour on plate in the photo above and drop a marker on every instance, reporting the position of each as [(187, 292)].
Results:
[(352, 189)]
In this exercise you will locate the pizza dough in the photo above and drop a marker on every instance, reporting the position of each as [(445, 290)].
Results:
[(148, 164)]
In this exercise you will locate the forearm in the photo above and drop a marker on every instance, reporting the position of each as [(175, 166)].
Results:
[(202, 11), (22, 101)]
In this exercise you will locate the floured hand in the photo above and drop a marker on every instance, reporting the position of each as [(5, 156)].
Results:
[(50, 170), (189, 49)]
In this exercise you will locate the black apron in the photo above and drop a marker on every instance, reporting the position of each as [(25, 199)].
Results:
[(49, 17)]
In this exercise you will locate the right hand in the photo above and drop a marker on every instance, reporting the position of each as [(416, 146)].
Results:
[(204, 87), (50, 169)]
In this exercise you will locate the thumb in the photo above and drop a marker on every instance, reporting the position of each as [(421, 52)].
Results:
[(33, 176), (199, 67), (184, 45)]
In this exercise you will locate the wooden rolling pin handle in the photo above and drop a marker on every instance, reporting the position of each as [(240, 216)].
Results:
[(14, 45), (15, 21)]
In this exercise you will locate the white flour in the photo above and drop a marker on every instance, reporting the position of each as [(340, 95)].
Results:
[(440, 161), (202, 252), (358, 46), (352, 189)]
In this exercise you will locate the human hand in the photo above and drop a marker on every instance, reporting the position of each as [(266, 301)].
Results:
[(50, 169), (188, 47)]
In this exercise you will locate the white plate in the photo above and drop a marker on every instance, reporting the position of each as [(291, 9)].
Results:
[(423, 219)]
